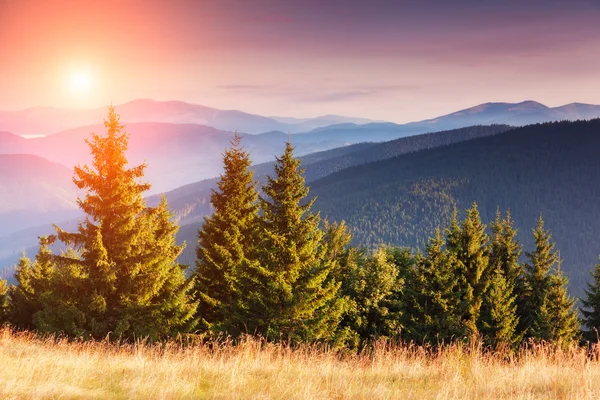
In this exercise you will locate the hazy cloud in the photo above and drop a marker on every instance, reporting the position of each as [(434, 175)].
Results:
[(319, 94)]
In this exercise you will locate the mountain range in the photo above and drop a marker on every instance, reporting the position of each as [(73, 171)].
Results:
[(517, 114), (48, 120)]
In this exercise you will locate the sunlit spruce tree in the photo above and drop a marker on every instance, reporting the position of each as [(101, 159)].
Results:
[(433, 301), (561, 324), (499, 317), (549, 311), (404, 260), (468, 242), (226, 243), (373, 288), (341, 257), (591, 305), (346, 259), (290, 295), (505, 250), (33, 285), (122, 278)]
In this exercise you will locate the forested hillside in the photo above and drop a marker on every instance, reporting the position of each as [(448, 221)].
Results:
[(550, 168), (191, 202), (393, 148)]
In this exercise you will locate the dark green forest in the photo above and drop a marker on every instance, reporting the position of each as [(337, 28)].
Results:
[(549, 169)]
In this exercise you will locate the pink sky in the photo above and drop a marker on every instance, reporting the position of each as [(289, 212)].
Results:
[(393, 60)]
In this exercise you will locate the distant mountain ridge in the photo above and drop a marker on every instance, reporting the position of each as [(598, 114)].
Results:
[(48, 120), (517, 114), (514, 114)]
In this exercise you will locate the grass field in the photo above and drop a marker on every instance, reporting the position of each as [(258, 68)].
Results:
[(53, 369)]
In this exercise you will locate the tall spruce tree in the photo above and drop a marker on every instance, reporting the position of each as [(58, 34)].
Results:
[(499, 317), (591, 305), (505, 250), (536, 280), (290, 295), (33, 285), (469, 244), (549, 313), (433, 302), (226, 243), (341, 257), (558, 316), (122, 276), (347, 260), (370, 285)]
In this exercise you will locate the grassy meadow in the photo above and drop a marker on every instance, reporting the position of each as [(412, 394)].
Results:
[(33, 368)]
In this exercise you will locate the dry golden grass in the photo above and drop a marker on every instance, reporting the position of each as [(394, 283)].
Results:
[(46, 369)]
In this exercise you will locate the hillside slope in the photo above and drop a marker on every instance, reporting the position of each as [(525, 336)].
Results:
[(550, 169), (192, 202)]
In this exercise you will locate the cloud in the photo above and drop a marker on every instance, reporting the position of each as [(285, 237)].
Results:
[(319, 95), (355, 93)]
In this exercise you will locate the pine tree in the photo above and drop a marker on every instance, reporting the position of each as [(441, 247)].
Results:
[(468, 243), (505, 250), (433, 304), (289, 295), (337, 240), (342, 259), (122, 274), (33, 282), (226, 243), (558, 319), (370, 286), (591, 304), (536, 280), (404, 261), (499, 317), (549, 311), (347, 259)]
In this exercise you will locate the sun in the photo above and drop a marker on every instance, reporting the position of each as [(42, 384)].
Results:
[(80, 82)]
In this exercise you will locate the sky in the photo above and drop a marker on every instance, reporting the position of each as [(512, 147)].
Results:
[(389, 60)]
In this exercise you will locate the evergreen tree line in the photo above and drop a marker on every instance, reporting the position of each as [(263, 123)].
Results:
[(268, 265)]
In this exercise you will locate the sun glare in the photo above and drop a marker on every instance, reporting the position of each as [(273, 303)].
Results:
[(80, 82)]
